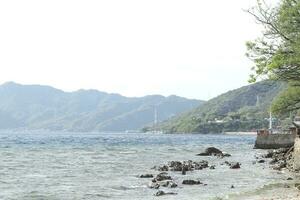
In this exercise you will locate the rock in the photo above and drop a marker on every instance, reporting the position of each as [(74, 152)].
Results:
[(235, 165), (154, 185), (289, 179), (173, 185), (200, 165), (163, 183), (191, 182), (168, 183), (163, 168), (297, 185), (232, 186), (162, 193), (146, 176), (211, 151), (212, 167), (226, 163), (183, 172), (226, 155), (161, 177), (269, 154)]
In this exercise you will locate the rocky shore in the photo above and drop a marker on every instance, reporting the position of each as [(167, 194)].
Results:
[(163, 182)]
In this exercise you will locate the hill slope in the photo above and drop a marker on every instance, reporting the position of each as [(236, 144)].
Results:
[(242, 109), (44, 107)]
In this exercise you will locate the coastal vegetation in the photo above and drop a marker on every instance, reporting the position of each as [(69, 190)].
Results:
[(276, 53)]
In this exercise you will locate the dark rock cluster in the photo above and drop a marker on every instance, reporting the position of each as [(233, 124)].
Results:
[(164, 180), (280, 158)]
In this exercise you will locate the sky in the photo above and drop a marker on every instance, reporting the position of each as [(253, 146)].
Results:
[(189, 48)]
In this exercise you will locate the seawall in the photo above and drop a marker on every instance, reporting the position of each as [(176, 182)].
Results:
[(275, 141), (296, 155)]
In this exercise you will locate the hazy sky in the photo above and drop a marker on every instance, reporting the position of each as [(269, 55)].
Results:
[(191, 48)]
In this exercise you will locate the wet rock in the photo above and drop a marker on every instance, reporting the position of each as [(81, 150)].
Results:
[(212, 167), (233, 165), (164, 183), (261, 161), (211, 151), (289, 179), (183, 172), (146, 176), (191, 182), (168, 183), (162, 193), (162, 177), (175, 165), (269, 154), (232, 187), (236, 165), (163, 168), (153, 185)]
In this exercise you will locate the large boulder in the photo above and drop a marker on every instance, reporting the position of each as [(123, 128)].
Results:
[(212, 151)]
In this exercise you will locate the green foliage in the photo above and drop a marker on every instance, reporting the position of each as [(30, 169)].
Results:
[(288, 100), (277, 53), (243, 109)]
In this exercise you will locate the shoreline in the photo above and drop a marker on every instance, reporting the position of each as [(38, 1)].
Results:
[(240, 133)]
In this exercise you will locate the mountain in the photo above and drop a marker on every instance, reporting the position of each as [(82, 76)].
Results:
[(243, 109), (44, 107)]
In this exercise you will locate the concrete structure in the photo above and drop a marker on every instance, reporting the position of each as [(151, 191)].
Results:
[(296, 155), (266, 140)]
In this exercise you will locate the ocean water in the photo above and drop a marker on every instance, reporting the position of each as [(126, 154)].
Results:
[(60, 165)]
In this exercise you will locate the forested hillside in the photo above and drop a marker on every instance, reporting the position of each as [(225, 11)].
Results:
[(243, 109)]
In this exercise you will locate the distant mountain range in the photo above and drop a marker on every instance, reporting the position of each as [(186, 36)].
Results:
[(243, 109), (44, 107)]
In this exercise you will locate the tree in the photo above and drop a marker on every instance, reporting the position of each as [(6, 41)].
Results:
[(277, 53)]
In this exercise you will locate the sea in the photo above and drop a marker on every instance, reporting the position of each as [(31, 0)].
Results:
[(62, 165)]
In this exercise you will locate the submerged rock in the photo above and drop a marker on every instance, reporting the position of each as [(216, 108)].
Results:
[(191, 182), (146, 176), (232, 165), (162, 193)]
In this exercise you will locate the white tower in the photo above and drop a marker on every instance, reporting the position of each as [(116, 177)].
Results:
[(270, 122)]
